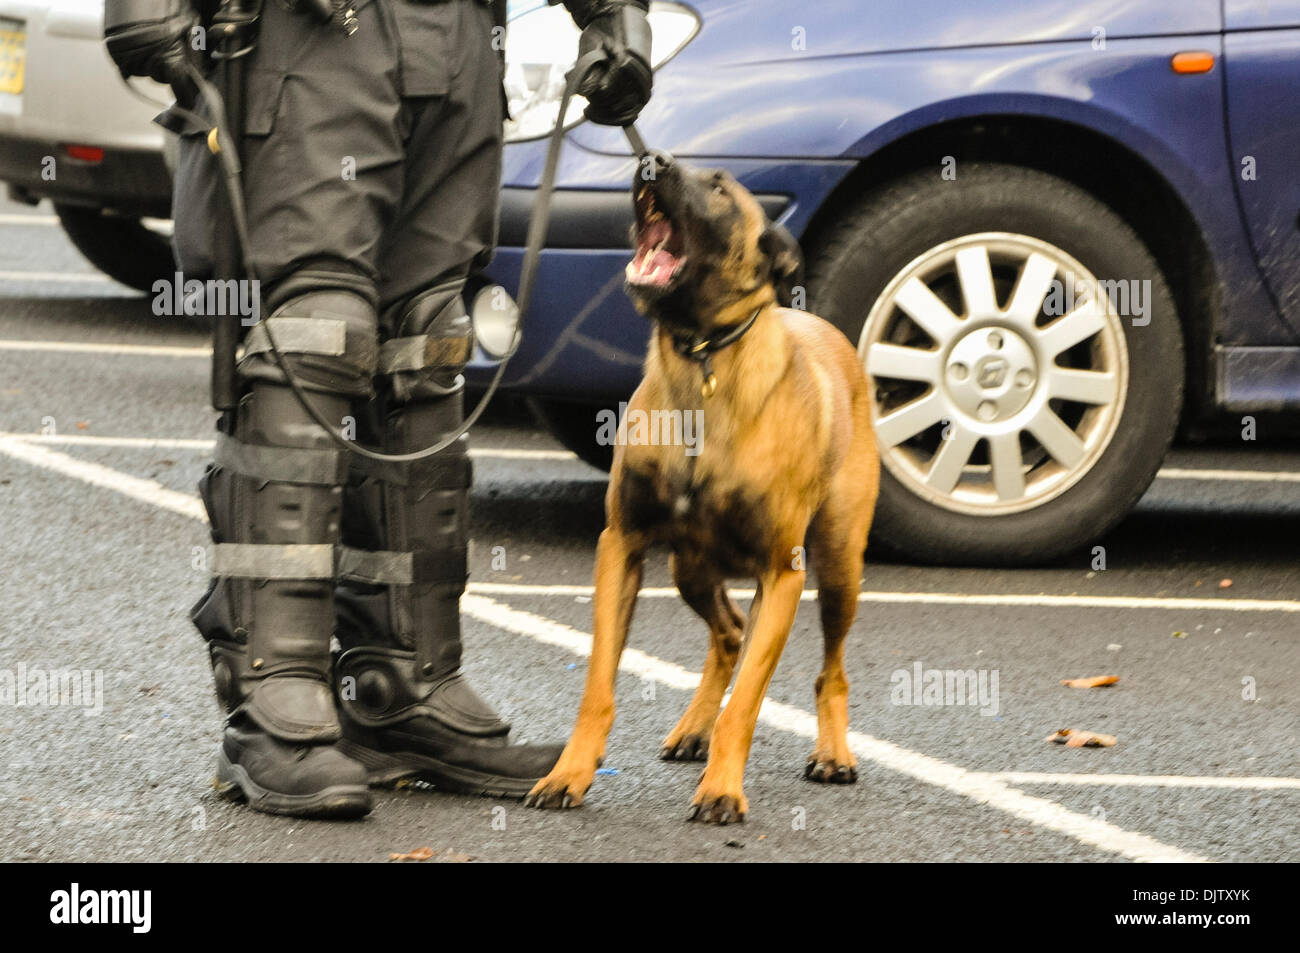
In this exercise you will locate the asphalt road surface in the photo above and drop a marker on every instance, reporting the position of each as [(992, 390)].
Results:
[(99, 524)]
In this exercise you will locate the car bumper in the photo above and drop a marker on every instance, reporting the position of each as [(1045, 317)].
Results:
[(71, 94), (131, 181)]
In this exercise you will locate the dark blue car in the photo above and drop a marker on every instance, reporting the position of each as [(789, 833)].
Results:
[(1052, 229)]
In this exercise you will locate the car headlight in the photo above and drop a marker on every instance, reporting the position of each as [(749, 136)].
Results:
[(542, 45)]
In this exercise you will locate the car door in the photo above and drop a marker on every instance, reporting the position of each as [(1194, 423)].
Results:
[(1262, 70)]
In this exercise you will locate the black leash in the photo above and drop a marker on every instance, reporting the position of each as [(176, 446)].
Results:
[(224, 147)]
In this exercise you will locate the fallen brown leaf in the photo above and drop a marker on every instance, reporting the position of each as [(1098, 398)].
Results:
[(420, 853), (1096, 681), (1074, 738)]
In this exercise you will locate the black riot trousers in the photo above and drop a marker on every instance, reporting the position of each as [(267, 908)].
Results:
[(372, 167), (375, 155)]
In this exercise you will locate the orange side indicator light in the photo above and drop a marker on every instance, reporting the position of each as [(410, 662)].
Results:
[(1192, 61)]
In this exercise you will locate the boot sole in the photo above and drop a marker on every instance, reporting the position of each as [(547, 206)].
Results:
[(384, 770), (342, 801)]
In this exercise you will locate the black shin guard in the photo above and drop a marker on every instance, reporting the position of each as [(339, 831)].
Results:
[(274, 495), (408, 709)]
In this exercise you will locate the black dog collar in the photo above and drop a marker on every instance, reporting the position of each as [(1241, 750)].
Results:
[(701, 349)]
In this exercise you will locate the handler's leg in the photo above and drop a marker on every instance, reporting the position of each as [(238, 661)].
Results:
[(273, 496), (320, 107), (408, 710)]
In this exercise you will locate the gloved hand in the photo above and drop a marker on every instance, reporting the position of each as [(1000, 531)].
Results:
[(617, 87), (150, 38)]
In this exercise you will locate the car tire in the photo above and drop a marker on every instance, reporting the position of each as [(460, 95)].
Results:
[(909, 231), (574, 426), (123, 248)]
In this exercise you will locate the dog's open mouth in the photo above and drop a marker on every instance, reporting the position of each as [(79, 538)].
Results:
[(659, 248)]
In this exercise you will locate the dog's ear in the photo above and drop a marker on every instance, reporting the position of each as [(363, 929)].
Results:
[(784, 261)]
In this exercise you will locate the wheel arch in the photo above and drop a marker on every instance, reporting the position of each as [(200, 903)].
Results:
[(1091, 160)]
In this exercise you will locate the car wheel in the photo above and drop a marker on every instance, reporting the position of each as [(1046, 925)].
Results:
[(123, 248), (1021, 409), (574, 426)]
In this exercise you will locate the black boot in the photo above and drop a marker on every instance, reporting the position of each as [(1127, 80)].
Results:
[(406, 708), (274, 496), (301, 780)]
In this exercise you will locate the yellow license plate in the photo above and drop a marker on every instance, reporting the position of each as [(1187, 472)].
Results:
[(13, 56)]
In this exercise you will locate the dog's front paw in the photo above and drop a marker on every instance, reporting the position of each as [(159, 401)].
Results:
[(560, 789), (827, 769), (718, 805), (685, 747)]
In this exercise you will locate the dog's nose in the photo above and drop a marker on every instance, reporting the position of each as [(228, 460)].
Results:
[(663, 161)]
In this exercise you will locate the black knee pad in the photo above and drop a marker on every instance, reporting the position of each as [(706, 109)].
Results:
[(430, 340), (328, 338)]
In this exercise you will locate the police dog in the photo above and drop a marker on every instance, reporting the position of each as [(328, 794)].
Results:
[(786, 459)]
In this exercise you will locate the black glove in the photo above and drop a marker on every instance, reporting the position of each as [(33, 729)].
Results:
[(617, 87), (149, 38)]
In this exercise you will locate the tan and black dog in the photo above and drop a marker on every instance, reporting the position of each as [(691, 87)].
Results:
[(786, 459)]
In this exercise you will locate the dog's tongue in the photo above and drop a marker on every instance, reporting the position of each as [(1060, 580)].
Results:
[(651, 267), (652, 264)]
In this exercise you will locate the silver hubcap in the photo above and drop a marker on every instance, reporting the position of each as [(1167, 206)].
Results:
[(998, 379)]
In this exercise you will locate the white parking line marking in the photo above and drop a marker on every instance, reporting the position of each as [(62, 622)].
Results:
[(940, 598), (1251, 476), (507, 453), (981, 787), (146, 491), (158, 350), (56, 277), (85, 440), (79, 347), (15, 219), (1150, 780), (26, 447), (167, 443)]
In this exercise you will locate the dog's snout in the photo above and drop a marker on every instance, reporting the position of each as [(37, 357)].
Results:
[(663, 161), (654, 166)]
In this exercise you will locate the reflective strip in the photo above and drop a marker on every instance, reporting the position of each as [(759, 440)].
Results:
[(423, 350), (442, 471), (314, 335), (446, 566), (377, 566), (257, 561), (281, 464), (324, 561)]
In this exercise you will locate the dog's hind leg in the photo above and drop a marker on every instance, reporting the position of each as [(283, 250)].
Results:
[(707, 595), (619, 562), (837, 597), (837, 541)]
